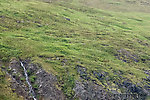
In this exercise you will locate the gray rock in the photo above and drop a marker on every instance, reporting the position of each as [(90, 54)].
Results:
[(82, 72), (127, 56), (98, 75), (148, 78), (67, 19), (46, 83), (90, 91)]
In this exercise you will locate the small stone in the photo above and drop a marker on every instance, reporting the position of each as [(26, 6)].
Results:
[(67, 19), (148, 78)]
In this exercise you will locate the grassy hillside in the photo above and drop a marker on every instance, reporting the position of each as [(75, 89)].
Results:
[(6, 91), (62, 35), (119, 5)]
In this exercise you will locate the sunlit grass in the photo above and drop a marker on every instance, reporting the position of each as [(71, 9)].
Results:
[(91, 38)]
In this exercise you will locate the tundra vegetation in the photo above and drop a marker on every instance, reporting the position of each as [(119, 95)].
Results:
[(104, 41)]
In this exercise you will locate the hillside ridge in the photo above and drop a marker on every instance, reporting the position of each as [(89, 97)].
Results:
[(87, 50)]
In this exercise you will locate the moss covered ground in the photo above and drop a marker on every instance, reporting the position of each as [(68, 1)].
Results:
[(63, 34)]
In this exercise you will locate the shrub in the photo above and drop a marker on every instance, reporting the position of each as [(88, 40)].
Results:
[(32, 78)]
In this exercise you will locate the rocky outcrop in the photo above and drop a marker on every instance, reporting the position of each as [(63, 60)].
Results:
[(85, 90), (90, 91), (126, 56), (43, 83)]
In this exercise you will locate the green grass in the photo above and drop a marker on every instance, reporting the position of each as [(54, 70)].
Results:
[(91, 38), (6, 92), (119, 5)]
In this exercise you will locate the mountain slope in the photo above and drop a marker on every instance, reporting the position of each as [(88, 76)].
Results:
[(120, 5), (77, 42)]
